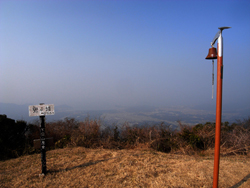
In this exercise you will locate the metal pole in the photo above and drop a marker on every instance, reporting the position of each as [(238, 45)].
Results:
[(43, 151), (218, 110)]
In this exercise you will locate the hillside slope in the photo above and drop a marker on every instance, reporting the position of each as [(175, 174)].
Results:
[(81, 167)]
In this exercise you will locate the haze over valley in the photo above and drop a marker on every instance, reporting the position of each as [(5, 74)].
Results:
[(135, 115)]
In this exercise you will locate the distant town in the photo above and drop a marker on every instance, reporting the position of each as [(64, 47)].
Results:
[(137, 115)]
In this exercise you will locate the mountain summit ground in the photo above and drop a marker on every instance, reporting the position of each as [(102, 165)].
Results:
[(81, 167)]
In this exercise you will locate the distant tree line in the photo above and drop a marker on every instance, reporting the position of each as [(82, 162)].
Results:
[(16, 137)]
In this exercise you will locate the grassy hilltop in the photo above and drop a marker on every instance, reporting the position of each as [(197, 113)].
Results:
[(139, 167)]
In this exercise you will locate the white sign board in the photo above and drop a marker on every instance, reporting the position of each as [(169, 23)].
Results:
[(41, 110)]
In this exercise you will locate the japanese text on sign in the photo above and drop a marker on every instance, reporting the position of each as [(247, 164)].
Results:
[(41, 110)]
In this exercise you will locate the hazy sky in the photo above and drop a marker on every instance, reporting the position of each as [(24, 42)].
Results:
[(100, 54)]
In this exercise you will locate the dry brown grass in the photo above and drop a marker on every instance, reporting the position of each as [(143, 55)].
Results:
[(140, 167)]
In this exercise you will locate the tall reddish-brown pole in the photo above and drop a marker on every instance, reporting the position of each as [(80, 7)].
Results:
[(218, 111), (218, 101)]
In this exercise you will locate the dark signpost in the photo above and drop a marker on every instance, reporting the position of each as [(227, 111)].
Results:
[(43, 151), (42, 110)]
